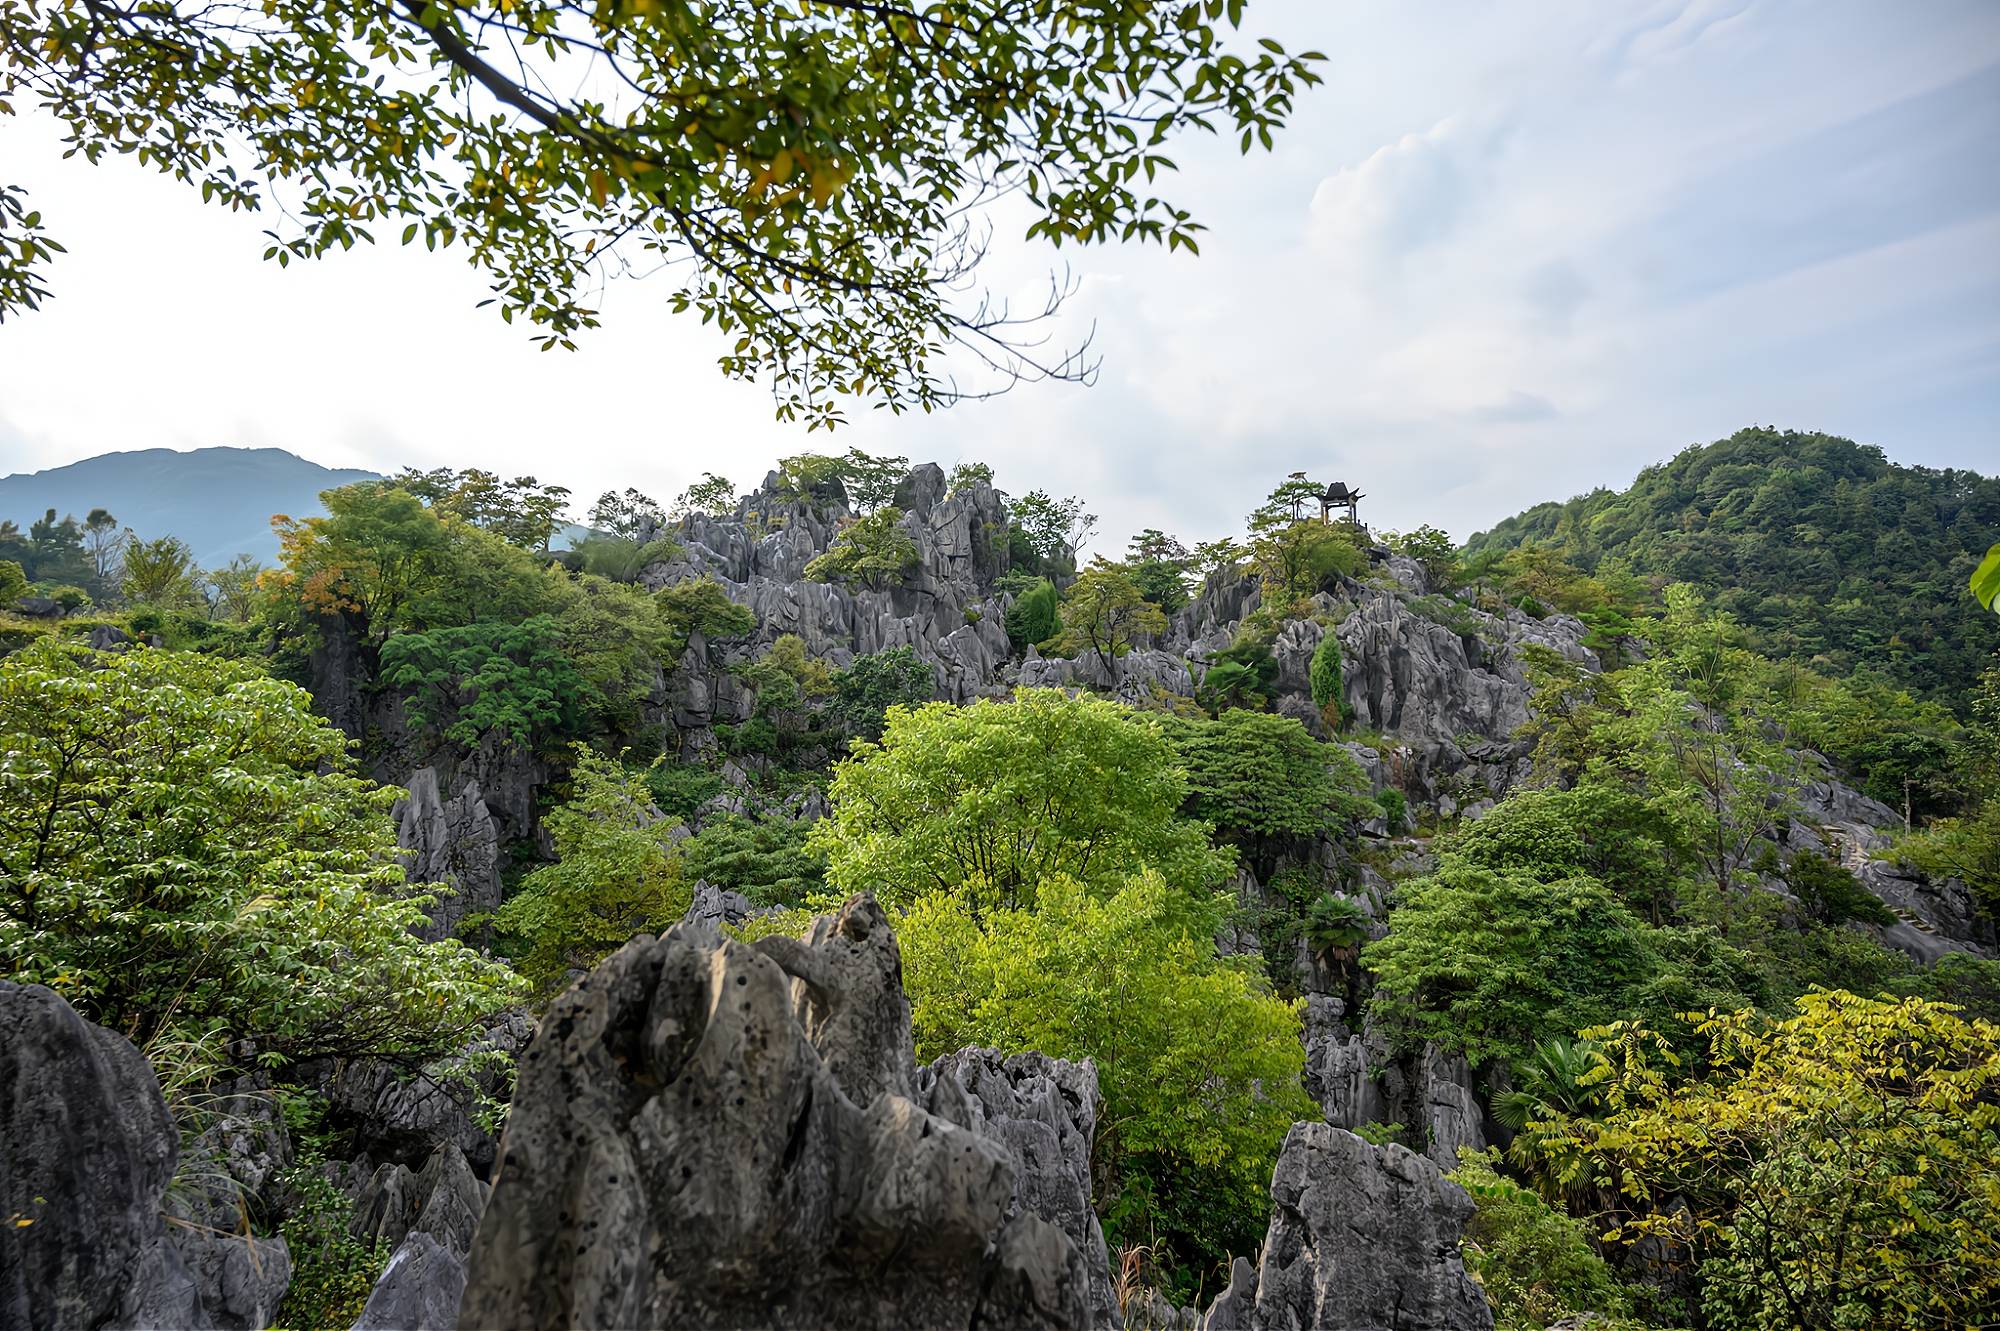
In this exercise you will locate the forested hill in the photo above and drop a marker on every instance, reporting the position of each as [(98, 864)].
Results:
[(1825, 549)]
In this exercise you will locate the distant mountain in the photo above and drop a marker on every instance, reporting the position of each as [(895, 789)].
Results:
[(1829, 552), (219, 500)]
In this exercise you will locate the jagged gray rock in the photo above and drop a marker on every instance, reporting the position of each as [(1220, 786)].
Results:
[(87, 1149), (444, 1200), (419, 1290), (1359, 1079), (1362, 1238), (396, 1114), (707, 1133), (1045, 1110), (450, 842)]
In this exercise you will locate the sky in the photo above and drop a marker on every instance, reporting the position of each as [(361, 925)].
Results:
[(1505, 254)]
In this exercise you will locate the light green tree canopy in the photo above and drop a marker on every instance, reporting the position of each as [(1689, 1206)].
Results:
[(1836, 1167), (184, 847), (814, 173), (1198, 1062), (992, 799)]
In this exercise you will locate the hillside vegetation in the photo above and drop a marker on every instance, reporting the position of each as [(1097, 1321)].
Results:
[(1826, 551), (1314, 823)]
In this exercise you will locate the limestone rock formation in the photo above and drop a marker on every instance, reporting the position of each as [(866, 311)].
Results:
[(1045, 1110), (1362, 1238), (419, 1290), (87, 1149), (1358, 1079), (394, 1113), (709, 1133), (452, 843)]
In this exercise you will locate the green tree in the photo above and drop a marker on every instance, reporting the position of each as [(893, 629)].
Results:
[(1485, 961), (184, 847), (1294, 555), (13, 583), (162, 573), (631, 516), (1244, 675), (233, 588), (700, 606), (1159, 565), (1055, 530), (766, 859), (105, 541), (1104, 611), (511, 680), (616, 874), (521, 512), (871, 481), (826, 236), (865, 691), (1832, 1168), (990, 800), (1323, 675), (874, 551), (1263, 781), (1035, 615), (1198, 1063), (968, 474), (1435, 551), (711, 495)]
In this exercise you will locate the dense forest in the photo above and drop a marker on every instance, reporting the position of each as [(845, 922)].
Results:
[(1638, 866), (1824, 550)]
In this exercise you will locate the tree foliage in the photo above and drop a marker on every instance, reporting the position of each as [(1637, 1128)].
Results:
[(185, 847), (874, 551), (814, 175), (1836, 1167), (1824, 550), (521, 512), (864, 692), (1104, 612), (1198, 1063), (992, 799), (616, 874), (510, 680), (1261, 778)]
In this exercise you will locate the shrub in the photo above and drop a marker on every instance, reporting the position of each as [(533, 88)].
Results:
[(1033, 616)]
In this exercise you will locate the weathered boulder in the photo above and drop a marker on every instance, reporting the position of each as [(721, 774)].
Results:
[(1362, 1238), (709, 1133), (452, 843), (1045, 1110), (444, 1200), (87, 1149), (419, 1290)]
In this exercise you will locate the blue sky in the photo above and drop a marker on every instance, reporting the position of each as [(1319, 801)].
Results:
[(1507, 253)]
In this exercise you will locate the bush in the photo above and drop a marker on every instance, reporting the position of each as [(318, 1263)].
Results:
[(1324, 674), (615, 875), (679, 789), (1395, 808), (1535, 1264), (766, 859), (1033, 617)]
